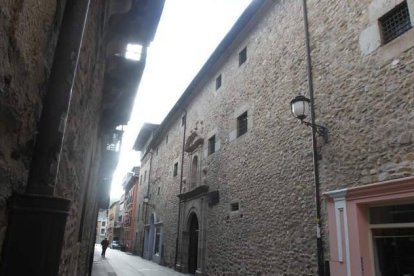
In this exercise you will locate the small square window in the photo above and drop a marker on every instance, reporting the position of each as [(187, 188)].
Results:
[(234, 206), (242, 56), (218, 82), (175, 169), (395, 22), (212, 144), (242, 124)]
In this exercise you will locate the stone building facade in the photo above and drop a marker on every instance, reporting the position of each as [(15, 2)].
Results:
[(113, 222), (130, 185), (102, 226), (65, 87), (227, 178)]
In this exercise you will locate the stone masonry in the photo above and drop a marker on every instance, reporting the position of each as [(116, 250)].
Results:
[(29, 31), (365, 100)]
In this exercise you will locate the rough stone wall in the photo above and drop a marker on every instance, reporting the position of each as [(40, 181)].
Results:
[(268, 170), (164, 204), (28, 35), (142, 212), (366, 103), (166, 201), (79, 167), (255, 169)]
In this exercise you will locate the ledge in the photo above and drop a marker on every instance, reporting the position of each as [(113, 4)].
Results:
[(197, 192)]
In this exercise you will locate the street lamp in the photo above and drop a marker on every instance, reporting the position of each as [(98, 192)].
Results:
[(301, 106)]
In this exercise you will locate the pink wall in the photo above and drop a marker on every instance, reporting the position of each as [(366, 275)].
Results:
[(353, 234)]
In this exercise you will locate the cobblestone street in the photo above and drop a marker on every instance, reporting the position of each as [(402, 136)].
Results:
[(118, 263)]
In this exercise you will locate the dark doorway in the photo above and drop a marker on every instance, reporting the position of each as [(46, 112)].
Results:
[(193, 245)]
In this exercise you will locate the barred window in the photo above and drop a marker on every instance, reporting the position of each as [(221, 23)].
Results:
[(395, 22)]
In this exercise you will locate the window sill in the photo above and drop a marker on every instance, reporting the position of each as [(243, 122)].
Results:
[(396, 47)]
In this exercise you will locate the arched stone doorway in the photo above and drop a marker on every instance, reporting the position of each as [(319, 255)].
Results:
[(193, 243)]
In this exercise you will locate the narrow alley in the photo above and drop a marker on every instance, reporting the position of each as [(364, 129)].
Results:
[(118, 263)]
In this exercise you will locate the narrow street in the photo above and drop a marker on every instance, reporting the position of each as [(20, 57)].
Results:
[(118, 263)]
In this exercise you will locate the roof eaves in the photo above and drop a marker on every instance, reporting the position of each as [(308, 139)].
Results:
[(234, 32)]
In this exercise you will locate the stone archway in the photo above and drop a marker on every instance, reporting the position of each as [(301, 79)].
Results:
[(193, 227)]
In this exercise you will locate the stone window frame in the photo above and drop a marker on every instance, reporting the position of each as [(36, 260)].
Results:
[(194, 173), (388, 30), (235, 213), (234, 124), (370, 39), (217, 144)]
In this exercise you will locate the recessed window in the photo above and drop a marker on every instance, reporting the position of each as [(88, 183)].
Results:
[(242, 56), (395, 22), (212, 144), (392, 229), (175, 169), (234, 206), (166, 139), (194, 170), (218, 82), (103, 223), (157, 239), (158, 192), (242, 124), (102, 231)]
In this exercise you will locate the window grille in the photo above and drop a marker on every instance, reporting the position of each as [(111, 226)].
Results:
[(395, 22)]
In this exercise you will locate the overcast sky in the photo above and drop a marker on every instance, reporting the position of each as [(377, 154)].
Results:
[(188, 32)]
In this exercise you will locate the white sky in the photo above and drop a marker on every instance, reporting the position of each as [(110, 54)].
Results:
[(188, 33)]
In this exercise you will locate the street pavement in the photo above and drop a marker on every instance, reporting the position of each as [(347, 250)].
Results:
[(118, 263)]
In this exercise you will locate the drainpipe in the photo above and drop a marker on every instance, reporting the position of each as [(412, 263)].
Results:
[(181, 188), (38, 207), (319, 242)]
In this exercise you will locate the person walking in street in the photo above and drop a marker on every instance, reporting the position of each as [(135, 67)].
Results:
[(104, 244)]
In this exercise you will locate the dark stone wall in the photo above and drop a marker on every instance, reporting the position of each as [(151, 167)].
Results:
[(28, 36), (79, 167)]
